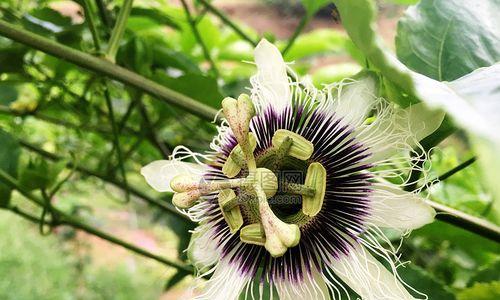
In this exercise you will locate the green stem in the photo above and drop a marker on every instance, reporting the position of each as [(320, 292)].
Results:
[(107, 68), (65, 219), (466, 221), (199, 38), (449, 173), (89, 19), (119, 30), (303, 22), (103, 13), (167, 207), (228, 22)]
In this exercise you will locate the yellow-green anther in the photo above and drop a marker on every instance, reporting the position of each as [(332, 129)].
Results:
[(315, 178), (300, 148), (233, 217), (279, 235), (186, 199), (253, 234), (185, 182), (236, 161)]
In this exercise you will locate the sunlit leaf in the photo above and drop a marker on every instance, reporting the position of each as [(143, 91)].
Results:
[(481, 291), (154, 14), (448, 39), (319, 41)]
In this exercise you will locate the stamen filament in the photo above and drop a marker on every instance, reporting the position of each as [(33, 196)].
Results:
[(298, 189)]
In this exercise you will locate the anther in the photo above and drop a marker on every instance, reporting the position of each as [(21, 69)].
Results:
[(233, 216), (253, 234), (236, 160), (301, 148), (315, 178)]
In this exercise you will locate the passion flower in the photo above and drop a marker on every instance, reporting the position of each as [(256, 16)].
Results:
[(297, 187)]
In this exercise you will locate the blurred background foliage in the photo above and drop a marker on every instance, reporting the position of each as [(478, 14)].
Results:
[(72, 141)]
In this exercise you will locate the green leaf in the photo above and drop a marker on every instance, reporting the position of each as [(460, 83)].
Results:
[(45, 21), (9, 157), (136, 54), (319, 41), (154, 14), (405, 2), (312, 6), (167, 58), (11, 56), (481, 291), (39, 174), (488, 273), (359, 20), (196, 86), (8, 94), (334, 73), (445, 40), (209, 32), (424, 282)]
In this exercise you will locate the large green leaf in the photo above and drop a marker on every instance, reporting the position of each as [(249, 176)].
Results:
[(448, 39), (359, 20), (469, 100), (9, 156)]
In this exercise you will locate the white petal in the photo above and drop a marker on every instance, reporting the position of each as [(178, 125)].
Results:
[(423, 121), (397, 130), (356, 100), (202, 250), (313, 286), (271, 85), (226, 283), (159, 173), (368, 277), (395, 208)]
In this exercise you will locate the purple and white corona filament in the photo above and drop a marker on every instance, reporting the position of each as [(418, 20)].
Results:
[(296, 189)]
